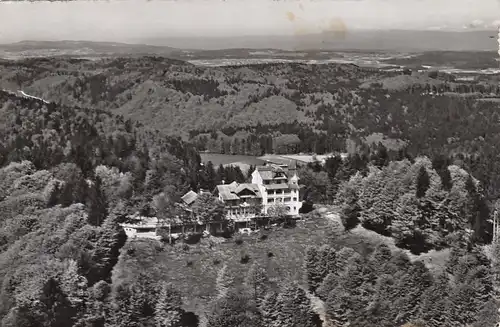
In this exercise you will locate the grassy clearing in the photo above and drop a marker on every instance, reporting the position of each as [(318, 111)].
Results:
[(364, 240), (194, 269), (224, 159)]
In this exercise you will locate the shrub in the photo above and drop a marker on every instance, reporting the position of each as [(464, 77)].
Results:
[(159, 247), (263, 237), (238, 241), (192, 238), (189, 263), (245, 258), (216, 262), (270, 254)]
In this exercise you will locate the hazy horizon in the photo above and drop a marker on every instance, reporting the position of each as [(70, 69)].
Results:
[(131, 21)]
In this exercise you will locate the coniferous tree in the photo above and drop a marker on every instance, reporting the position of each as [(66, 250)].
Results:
[(380, 311), (350, 212), (434, 305), (223, 282), (250, 171), (74, 287), (446, 180), (269, 310), (411, 286), (168, 310), (257, 283), (211, 176), (423, 182), (108, 247), (488, 316), (96, 203), (329, 283), (52, 308), (233, 310), (294, 308), (380, 157), (495, 263), (327, 262), (351, 295), (311, 268), (473, 287)]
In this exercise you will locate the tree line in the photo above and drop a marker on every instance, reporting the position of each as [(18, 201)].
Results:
[(69, 176)]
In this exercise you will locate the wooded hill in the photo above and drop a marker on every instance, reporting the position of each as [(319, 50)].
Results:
[(68, 176), (282, 108)]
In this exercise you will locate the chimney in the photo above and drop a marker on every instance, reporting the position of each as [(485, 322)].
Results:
[(223, 182)]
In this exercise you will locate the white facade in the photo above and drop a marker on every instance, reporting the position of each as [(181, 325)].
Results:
[(276, 188), (143, 229)]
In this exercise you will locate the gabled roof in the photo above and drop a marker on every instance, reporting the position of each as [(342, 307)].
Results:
[(225, 191), (269, 172), (189, 197), (231, 191), (247, 186)]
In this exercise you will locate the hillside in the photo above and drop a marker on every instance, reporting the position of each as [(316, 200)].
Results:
[(68, 176), (282, 108), (414, 194)]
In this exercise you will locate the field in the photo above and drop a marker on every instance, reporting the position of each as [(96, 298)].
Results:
[(242, 160), (225, 159)]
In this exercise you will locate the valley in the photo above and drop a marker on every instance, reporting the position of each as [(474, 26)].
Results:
[(394, 157)]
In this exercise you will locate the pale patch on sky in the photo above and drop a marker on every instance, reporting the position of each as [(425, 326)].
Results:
[(126, 20)]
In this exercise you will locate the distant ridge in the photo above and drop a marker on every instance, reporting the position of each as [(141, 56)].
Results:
[(83, 48), (381, 40)]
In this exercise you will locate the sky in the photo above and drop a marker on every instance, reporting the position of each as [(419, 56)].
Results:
[(126, 20)]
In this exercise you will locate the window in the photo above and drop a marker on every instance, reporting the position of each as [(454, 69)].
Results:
[(279, 191), (294, 199), (270, 200), (288, 208), (146, 230), (288, 199)]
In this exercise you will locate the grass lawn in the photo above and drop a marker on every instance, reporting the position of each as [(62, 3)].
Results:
[(224, 159)]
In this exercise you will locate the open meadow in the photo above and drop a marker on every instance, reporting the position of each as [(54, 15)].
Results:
[(194, 268), (225, 159)]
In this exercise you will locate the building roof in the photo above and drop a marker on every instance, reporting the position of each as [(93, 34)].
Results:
[(272, 171), (281, 186), (231, 191), (225, 191), (247, 186), (265, 173), (189, 197)]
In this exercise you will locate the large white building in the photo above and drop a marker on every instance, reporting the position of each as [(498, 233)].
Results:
[(278, 185), (271, 185)]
